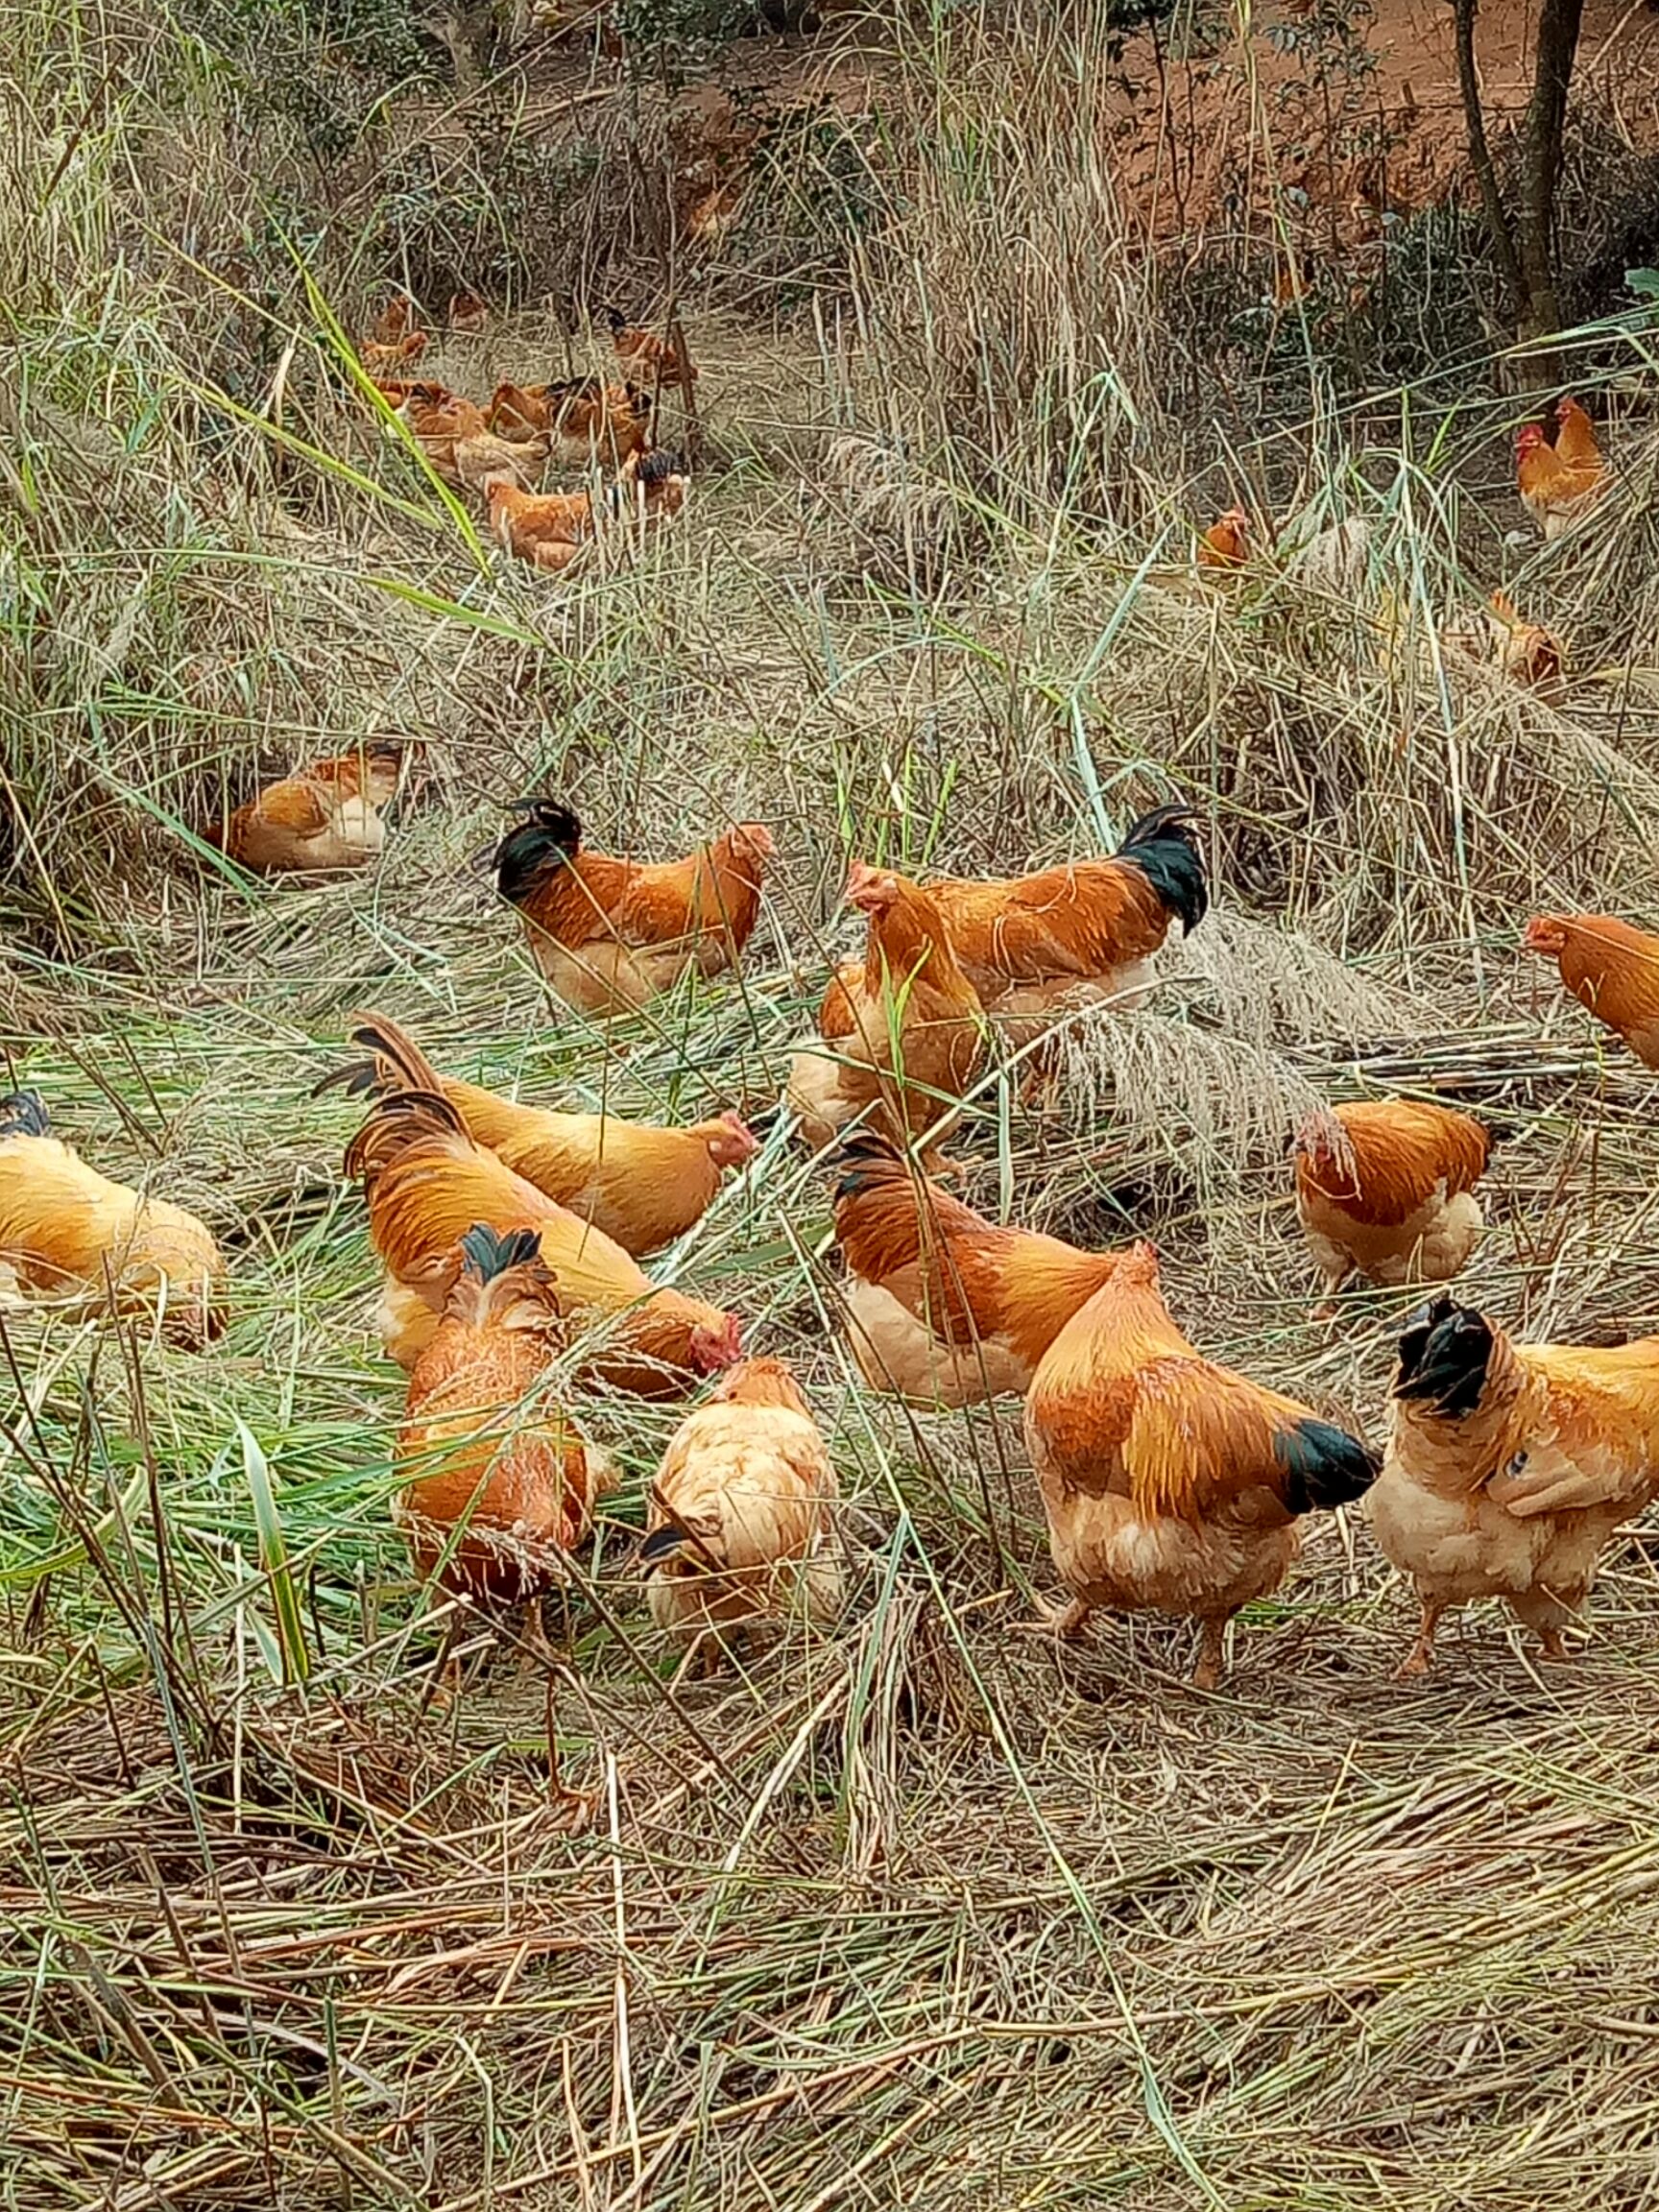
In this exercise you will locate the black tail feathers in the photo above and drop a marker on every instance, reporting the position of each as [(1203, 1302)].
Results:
[(662, 1544), (862, 1157), (1445, 1351), (1164, 846), (1323, 1466), (24, 1114), (487, 1253)]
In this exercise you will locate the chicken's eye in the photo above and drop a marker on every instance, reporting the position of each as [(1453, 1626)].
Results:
[(1516, 1463)]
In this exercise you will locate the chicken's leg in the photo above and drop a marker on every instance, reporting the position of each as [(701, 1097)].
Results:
[(1421, 1657), (1212, 1652)]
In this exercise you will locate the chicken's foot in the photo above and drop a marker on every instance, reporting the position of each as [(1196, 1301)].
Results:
[(1421, 1657), (1052, 1620)]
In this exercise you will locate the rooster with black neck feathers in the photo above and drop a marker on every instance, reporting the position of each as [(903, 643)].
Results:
[(1035, 945), (1510, 1467), (610, 935)]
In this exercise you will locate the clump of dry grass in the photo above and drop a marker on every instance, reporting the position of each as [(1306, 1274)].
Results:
[(928, 1907)]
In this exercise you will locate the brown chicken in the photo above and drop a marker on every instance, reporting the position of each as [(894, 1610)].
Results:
[(66, 1229), (945, 1306), (644, 1186), (550, 530), (460, 448), (427, 1182), (1528, 653), (583, 413), (1510, 1468), (326, 815), (1559, 483), (1385, 1189), (639, 349), (1609, 967), (380, 360), (498, 1492), (469, 316), (742, 1520), (1226, 544), (901, 1031), (395, 320), (610, 935), (1172, 1485), (1035, 945)]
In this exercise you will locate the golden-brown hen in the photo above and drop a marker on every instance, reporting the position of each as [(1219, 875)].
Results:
[(1035, 945), (549, 530), (583, 413), (1226, 544), (1172, 1485), (427, 1182), (1510, 1467), (742, 1525), (460, 446), (1385, 1189), (498, 1491), (901, 1031), (391, 356), (641, 1185), (64, 1229), (641, 350), (326, 816), (943, 1305), (1559, 483), (1610, 967), (608, 934)]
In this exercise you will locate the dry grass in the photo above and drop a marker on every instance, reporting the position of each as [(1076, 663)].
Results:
[(927, 1909)]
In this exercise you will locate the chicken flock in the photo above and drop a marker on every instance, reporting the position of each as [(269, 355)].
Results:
[(497, 450), (509, 1238)]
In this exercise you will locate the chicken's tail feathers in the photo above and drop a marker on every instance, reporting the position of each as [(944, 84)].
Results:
[(395, 1126), (1323, 1466), (1164, 845), (396, 1062), (548, 836), (24, 1114), (490, 1252), (1444, 1352), (662, 1543), (863, 1158)]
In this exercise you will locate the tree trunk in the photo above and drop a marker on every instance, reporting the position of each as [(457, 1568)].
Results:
[(1503, 238), (1524, 248), (1559, 23)]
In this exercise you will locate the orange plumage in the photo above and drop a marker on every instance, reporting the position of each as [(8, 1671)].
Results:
[(639, 349), (1226, 544), (469, 315), (1610, 967), (580, 412), (641, 1185), (385, 357), (427, 1182), (1033, 945), (67, 1229), (943, 1305), (1387, 1192), (1510, 1467), (1172, 1485), (1561, 482), (903, 1026), (459, 444), (611, 934), (395, 320), (742, 1523), (1527, 652), (476, 1452), (326, 815)]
